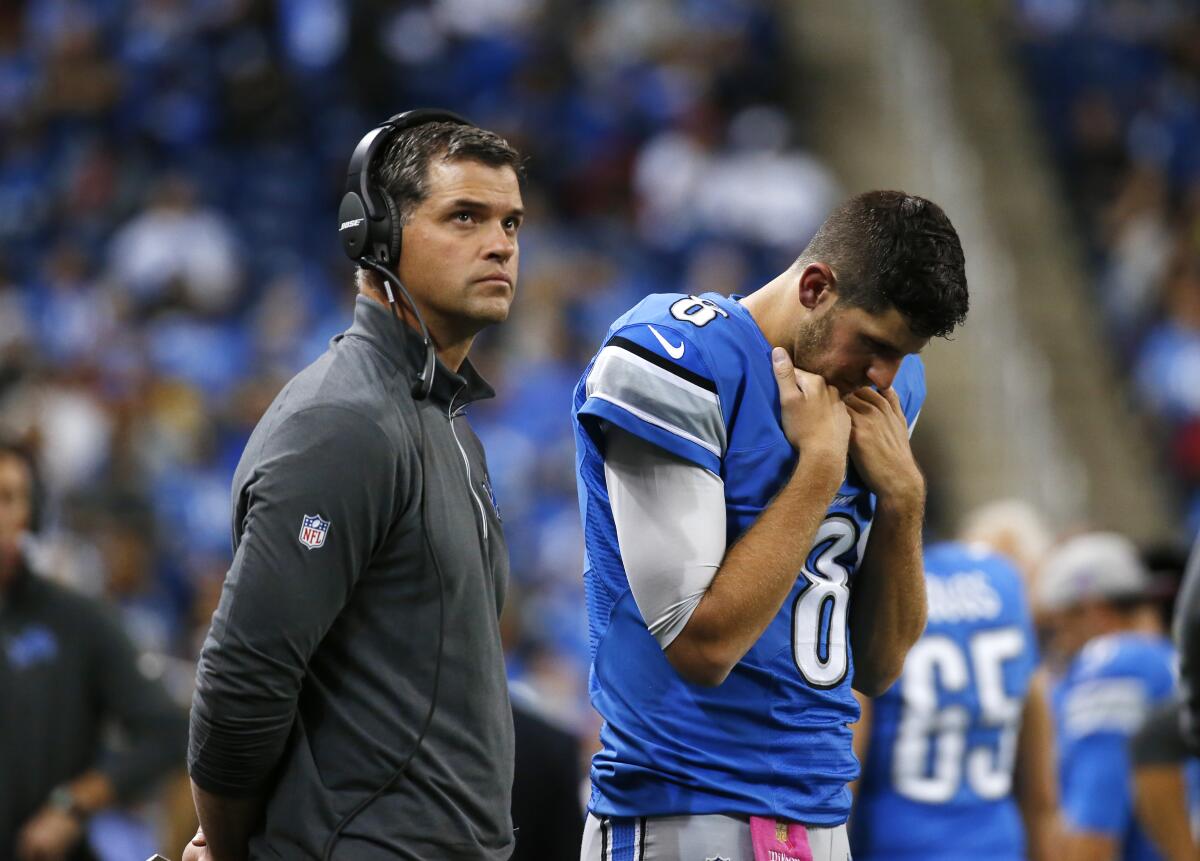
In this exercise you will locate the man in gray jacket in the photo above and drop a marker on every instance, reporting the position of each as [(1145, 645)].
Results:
[(351, 699)]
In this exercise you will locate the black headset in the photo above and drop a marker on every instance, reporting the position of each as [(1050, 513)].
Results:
[(370, 225)]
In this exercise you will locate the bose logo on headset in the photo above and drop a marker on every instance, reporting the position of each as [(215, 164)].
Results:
[(346, 225)]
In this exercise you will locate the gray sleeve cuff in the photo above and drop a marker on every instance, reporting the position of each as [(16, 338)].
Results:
[(236, 757)]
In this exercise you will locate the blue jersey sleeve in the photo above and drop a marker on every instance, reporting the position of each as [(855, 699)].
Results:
[(653, 381), (910, 384), (1100, 760)]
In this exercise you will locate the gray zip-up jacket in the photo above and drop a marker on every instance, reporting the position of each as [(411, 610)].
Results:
[(315, 678)]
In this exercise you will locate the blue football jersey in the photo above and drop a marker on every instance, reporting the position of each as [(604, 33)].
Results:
[(1100, 701), (937, 783), (693, 376)]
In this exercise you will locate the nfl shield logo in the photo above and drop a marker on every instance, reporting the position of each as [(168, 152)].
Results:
[(313, 531)]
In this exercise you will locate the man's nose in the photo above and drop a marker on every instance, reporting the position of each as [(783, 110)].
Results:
[(501, 244), (882, 372)]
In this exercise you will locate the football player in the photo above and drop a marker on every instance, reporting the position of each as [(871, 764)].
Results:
[(958, 754), (744, 468), (1120, 665)]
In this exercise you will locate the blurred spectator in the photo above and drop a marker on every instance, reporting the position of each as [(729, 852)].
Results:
[(71, 676), (176, 254)]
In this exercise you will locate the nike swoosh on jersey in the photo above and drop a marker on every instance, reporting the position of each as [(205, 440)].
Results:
[(672, 351)]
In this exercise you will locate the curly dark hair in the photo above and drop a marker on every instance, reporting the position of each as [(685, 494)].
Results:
[(402, 169), (892, 249)]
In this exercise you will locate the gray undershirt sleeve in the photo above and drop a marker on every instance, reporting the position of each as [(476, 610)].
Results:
[(670, 520)]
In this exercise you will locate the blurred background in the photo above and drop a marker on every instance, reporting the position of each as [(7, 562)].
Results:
[(170, 171)]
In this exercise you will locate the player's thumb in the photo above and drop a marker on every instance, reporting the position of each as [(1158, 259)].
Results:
[(785, 374)]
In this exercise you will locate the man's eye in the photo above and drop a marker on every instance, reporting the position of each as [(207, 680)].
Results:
[(462, 217)]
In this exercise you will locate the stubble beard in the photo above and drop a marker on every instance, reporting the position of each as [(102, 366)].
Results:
[(812, 344)]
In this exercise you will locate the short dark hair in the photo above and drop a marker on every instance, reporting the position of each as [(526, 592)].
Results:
[(402, 169), (891, 249)]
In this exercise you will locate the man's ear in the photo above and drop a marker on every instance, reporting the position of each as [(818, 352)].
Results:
[(815, 282)]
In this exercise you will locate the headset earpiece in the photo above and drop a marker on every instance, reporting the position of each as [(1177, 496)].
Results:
[(368, 220), (394, 225), (353, 226)]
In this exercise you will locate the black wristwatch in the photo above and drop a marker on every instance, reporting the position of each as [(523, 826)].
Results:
[(62, 798)]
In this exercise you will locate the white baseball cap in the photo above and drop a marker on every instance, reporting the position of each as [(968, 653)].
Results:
[(1095, 566)]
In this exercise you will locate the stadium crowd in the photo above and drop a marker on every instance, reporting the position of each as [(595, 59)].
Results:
[(1117, 86), (169, 176)]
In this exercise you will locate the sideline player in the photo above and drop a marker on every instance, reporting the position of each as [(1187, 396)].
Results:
[(1120, 667), (958, 754), (723, 527)]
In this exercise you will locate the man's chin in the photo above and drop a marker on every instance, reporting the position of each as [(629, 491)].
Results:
[(489, 312)]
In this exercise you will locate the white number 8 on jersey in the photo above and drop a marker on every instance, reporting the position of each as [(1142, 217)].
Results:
[(819, 613)]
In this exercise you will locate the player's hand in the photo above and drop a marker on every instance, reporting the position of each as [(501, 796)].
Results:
[(879, 446), (49, 836), (815, 420), (197, 848)]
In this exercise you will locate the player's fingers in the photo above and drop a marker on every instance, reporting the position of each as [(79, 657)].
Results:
[(872, 397), (857, 404), (781, 364), (893, 400), (810, 384)]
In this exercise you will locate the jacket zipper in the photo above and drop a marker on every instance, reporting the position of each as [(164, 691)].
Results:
[(450, 414)]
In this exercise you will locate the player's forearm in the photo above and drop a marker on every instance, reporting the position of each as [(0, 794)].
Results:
[(887, 609), (756, 575), (1161, 792), (227, 823), (1042, 834), (1034, 777), (1081, 846)]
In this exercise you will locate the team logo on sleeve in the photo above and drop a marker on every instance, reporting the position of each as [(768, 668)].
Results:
[(313, 531)]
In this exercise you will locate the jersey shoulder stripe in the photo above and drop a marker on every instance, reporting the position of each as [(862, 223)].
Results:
[(1116, 705), (664, 363), (671, 401)]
